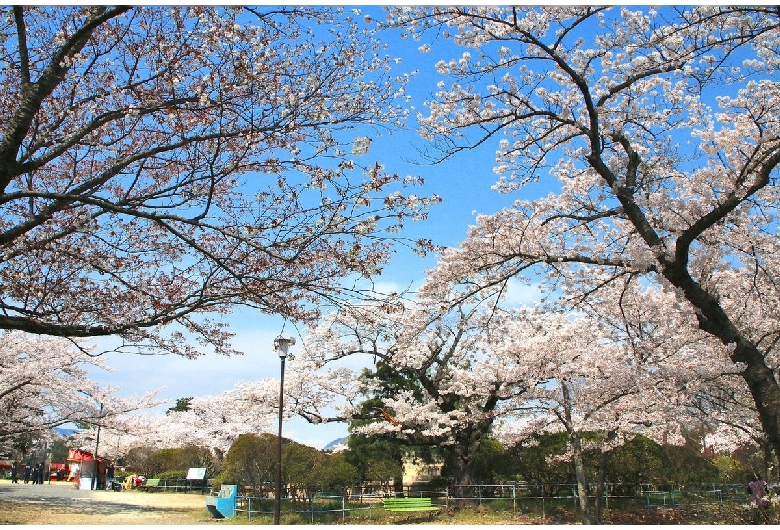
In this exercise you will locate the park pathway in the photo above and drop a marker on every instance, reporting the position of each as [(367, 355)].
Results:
[(69, 505)]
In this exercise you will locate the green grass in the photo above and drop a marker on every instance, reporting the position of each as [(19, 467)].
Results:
[(555, 513)]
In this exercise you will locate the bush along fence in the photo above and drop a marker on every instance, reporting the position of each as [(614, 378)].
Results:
[(539, 499)]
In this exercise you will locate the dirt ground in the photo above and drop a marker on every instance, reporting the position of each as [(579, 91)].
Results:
[(63, 504), (24, 514)]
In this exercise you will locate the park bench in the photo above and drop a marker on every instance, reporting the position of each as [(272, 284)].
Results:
[(150, 484), (409, 504)]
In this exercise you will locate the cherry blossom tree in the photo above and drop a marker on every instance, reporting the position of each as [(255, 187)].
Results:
[(657, 131), (695, 381), (162, 164), (475, 370), (250, 407), (601, 389), (586, 385), (44, 384), (212, 422), (458, 385), (458, 389), (469, 373)]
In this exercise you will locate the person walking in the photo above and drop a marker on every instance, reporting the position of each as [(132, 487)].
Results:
[(27, 472), (109, 476), (14, 473), (758, 489)]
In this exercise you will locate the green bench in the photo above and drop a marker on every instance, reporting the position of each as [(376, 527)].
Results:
[(409, 504), (150, 484)]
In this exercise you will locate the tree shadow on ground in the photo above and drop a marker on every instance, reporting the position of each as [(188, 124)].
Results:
[(92, 507)]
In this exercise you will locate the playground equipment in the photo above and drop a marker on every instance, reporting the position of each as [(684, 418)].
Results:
[(223, 505)]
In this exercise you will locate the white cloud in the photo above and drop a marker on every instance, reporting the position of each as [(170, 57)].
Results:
[(520, 293)]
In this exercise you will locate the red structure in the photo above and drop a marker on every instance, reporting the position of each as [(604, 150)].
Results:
[(60, 471), (87, 473)]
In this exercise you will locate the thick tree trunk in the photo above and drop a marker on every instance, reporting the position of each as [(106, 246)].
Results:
[(598, 507), (463, 467), (772, 471), (601, 477), (582, 484), (760, 378), (463, 461), (464, 452), (764, 388)]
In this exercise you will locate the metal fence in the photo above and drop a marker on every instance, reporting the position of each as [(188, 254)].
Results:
[(541, 499), (183, 485), (316, 508)]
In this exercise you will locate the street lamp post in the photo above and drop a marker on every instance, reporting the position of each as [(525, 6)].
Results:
[(95, 482), (282, 346)]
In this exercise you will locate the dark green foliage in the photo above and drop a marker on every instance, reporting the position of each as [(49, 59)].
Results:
[(174, 473), (301, 466), (181, 459), (59, 451), (639, 461), (377, 460), (336, 473), (250, 461), (686, 465), (182, 405), (310, 469), (730, 470), (153, 463), (393, 380), (537, 462), (494, 464), (383, 470)]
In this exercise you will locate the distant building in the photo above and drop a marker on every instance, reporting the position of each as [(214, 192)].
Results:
[(417, 474)]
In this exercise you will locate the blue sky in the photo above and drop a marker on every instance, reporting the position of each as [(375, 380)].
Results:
[(464, 184)]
